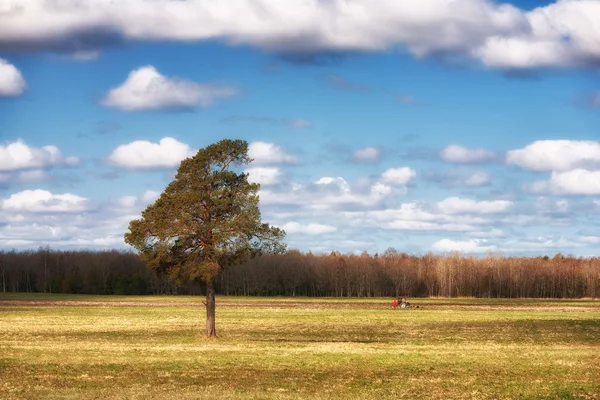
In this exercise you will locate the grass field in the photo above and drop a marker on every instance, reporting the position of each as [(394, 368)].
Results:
[(113, 347)]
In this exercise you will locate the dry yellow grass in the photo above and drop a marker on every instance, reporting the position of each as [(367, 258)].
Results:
[(286, 348)]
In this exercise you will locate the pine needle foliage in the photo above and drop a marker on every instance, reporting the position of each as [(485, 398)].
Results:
[(207, 219)]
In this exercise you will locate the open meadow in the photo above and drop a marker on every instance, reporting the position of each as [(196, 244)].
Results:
[(125, 347)]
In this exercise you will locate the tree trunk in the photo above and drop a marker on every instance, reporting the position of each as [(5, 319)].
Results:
[(210, 310)]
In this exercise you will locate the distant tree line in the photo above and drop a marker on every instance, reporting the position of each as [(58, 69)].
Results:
[(305, 274), (90, 272)]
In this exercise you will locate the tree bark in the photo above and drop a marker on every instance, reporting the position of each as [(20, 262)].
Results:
[(210, 310)]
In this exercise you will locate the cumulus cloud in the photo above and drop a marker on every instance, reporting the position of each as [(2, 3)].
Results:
[(556, 155), (463, 246), (375, 206), (576, 182), (31, 218), (12, 82), (477, 179), (560, 34), (366, 154), (43, 201), (590, 239), (456, 205), (269, 153), (146, 89), (337, 194), (140, 154), (415, 216), (467, 27), (308, 229), (462, 155), (525, 52), (398, 176), (325, 194), (18, 155), (137, 202), (550, 206), (338, 182), (263, 175), (542, 244)]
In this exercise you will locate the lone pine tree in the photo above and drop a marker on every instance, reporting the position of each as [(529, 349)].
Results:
[(205, 220)]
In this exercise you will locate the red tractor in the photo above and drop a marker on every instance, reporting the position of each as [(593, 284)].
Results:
[(400, 303)]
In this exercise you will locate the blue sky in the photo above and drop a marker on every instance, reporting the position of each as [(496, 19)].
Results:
[(462, 125)]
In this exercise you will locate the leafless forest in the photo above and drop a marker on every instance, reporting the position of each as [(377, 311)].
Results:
[(305, 274)]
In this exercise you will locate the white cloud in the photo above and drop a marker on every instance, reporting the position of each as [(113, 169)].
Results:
[(414, 216), (456, 205), (398, 176), (33, 176), (511, 52), (140, 154), (367, 154), (561, 34), (379, 190), (466, 246), (133, 203), (544, 44), (477, 179), (308, 229), (12, 82), (43, 201), (330, 206), (269, 153), (500, 35), (589, 239), (149, 196), (338, 182), (146, 89), (541, 244), (330, 193), (488, 233), (548, 205), (460, 154), (576, 182), (39, 217), (263, 175), (127, 201), (424, 27), (556, 155), (17, 155)]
